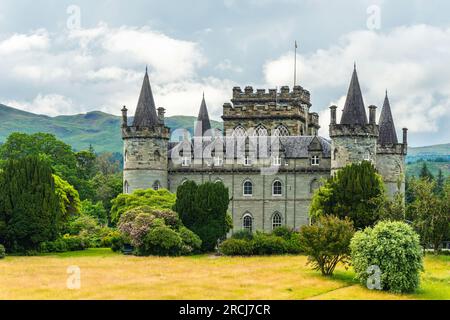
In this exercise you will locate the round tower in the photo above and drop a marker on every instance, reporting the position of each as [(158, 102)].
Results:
[(391, 154), (354, 139), (145, 145)]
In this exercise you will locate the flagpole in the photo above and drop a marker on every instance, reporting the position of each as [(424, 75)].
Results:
[(295, 63)]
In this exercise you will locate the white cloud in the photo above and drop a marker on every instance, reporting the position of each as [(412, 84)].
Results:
[(50, 104), (408, 61), (38, 40)]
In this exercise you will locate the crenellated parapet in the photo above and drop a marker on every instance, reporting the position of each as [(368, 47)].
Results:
[(353, 130), (159, 131), (298, 95)]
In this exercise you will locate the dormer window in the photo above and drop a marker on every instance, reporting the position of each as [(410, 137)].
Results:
[(186, 161), (315, 160), (218, 161), (276, 161)]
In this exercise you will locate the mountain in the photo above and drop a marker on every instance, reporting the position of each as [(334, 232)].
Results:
[(100, 129)]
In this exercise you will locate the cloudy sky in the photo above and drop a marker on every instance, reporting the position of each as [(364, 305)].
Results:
[(67, 57)]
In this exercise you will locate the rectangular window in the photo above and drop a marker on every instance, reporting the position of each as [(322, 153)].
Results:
[(315, 160), (218, 161), (186, 161), (247, 161), (276, 161)]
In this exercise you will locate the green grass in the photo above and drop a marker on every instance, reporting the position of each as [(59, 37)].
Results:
[(109, 275)]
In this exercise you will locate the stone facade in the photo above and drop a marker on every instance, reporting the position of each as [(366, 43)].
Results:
[(265, 190)]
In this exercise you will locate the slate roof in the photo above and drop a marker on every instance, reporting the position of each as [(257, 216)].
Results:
[(386, 124), (203, 124), (145, 115), (354, 110), (292, 146)]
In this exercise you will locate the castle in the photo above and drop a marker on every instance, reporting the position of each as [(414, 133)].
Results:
[(269, 153)]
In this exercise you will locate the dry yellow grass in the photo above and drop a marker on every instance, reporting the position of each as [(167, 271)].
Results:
[(105, 275)]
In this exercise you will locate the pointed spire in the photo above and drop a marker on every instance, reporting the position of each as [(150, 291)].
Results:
[(203, 124), (387, 128), (145, 115), (354, 110)]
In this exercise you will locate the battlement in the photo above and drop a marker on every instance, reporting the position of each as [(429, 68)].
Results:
[(396, 148), (298, 95), (368, 130), (159, 131)]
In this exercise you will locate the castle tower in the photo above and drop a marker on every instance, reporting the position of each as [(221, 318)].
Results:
[(355, 138), (145, 144), (390, 153), (203, 125)]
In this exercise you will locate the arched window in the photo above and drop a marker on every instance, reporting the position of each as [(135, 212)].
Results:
[(157, 155), (247, 188), (276, 220), (239, 131), (335, 153), (126, 155), (156, 185), (281, 131), (218, 180), (261, 131), (314, 185), (126, 187), (183, 181), (277, 188), (247, 222)]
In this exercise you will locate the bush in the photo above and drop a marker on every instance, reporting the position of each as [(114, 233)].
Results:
[(117, 242), (191, 241), (236, 247), (63, 244), (327, 243), (267, 244), (2, 251), (283, 232), (243, 235), (293, 244), (161, 241), (395, 248)]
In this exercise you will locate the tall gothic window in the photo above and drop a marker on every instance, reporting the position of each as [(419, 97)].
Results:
[(281, 131), (156, 185), (126, 187), (247, 188), (261, 131), (239, 131), (276, 220), (247, 222), (277, 188)]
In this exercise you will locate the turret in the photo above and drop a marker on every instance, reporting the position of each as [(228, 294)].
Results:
[(145, 144), (390, 153), (354, 139)]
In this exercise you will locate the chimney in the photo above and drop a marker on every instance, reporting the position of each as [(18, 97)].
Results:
[(405, 136), (161, 112), (124, 117), (333, 114), (372, 114)]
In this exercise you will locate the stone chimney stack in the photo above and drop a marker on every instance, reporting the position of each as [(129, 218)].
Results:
[(124, 117), (372, 114), (333, 114), (405, 136), (161, 112)]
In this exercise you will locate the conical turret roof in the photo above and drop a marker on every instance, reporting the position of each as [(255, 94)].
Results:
[(145, 115), (203, 124), (386, 124), (354, 110)]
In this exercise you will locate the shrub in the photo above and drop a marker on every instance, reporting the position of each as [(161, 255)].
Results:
[(327, 243), (243, 235), (236, 247), (117, 242), (191, 241), (161, 241), (267, 244), (2, 251), (75, 243), (395, 248), (283, 232), (293, 244)]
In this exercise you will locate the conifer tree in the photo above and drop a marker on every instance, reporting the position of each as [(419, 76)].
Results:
[(425, 172), (29, 207)]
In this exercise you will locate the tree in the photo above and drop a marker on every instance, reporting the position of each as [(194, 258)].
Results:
[(159, 199), (326, 243), (203, 209), (30, 209), (95, 210), (356, 191), (86, 161), (394, 209), (430, 213), (425, 173), (107, 187), (440, 181), (69, 199)]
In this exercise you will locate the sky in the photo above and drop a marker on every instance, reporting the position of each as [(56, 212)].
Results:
[(68, 57)]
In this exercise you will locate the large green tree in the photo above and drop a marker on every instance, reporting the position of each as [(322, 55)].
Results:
[(30, 209), (203, 209), (356, 191)]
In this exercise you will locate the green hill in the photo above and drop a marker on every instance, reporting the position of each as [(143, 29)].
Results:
[(100, 129)]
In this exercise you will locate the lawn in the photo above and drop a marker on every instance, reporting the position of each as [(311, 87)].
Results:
[(107, 275)]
